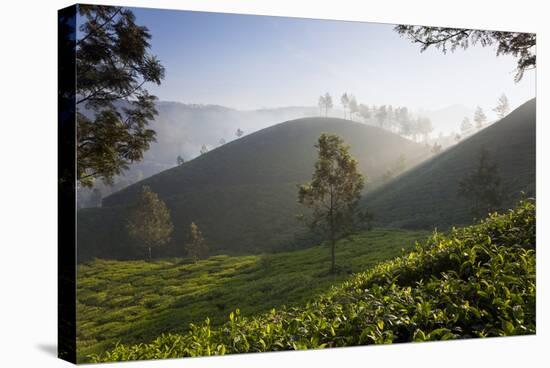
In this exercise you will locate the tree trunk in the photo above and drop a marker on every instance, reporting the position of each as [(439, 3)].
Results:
[(332, 238), (333, 256), (149, 248)]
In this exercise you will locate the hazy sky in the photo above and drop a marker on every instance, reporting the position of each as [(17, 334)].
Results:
[(250, 62)]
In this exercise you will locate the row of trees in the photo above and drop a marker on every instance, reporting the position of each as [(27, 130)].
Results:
[(480, 119), (398, 120), (204, 148), (114, 64), (150, 224)]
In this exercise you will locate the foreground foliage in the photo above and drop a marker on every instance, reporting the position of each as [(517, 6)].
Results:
[(135, 301), (477, 281)]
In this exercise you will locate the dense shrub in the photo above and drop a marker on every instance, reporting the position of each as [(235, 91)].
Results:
[(477, 281)]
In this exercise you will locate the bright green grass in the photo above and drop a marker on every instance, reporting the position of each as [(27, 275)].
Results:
[(477, 281), (135, 301)]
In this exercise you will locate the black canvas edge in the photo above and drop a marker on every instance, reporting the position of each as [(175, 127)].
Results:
[(66, 184)]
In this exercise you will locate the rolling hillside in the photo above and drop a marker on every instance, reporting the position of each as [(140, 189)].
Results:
[(243, 194), (426, 196)]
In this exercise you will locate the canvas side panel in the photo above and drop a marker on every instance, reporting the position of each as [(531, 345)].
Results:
[(66, 291)]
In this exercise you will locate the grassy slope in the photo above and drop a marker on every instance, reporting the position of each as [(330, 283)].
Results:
[(477, 281), (426, 196), (135, 301), (243, 194)]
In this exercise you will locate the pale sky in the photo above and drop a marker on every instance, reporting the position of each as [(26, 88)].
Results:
[(250, 62)]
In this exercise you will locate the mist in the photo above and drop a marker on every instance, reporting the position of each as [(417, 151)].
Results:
[(230, 72)]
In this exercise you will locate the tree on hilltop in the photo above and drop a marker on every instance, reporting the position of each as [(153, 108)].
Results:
[(424, 127), (325, 103), (479, 118), (381, 115), (321, 104), (328, 103), (465, 126), (364, 112), (345, 102), (353, 107), (503, 107)]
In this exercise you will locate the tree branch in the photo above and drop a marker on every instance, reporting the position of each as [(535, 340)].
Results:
[(78, 42)]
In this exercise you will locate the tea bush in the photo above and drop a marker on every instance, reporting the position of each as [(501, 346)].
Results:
[(477, 281), (170, 293)]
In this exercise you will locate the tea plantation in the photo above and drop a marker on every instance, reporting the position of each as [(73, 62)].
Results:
[(135, 301), (477, 281)]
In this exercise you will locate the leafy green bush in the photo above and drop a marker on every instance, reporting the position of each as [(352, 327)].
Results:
[(477, 281)]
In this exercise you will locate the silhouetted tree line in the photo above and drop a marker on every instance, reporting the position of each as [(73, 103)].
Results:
[(395, 119)]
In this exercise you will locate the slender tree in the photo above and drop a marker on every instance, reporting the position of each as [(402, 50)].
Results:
[(482, 186), (479, 118), (364, 112), (353, 107), (404, 122), (503, 107), (328, 103), (345, 102), (519, 45), (381, 115), (465, 126), (334, 190), (424, 127), (390, 118), (149, 221), (196, 247), (321, 104), (113, 64)]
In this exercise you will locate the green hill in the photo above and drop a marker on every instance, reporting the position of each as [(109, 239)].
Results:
[(477, 281), (134, 301), (426, 196), (242, 195)]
